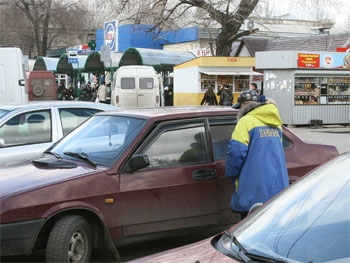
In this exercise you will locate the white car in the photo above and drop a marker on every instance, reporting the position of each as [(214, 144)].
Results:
[(28, 129)]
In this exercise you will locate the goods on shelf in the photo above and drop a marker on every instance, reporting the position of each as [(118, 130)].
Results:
[(309, 89)]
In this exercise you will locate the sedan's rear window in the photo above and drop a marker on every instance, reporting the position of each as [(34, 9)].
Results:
[(3, 112), (73, 117)]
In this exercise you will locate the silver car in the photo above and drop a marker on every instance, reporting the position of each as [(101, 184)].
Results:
[(28, 129)]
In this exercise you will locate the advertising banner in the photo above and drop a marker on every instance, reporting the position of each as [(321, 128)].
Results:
[(335, 60), (324, 60), (308, 60), (111, 35)]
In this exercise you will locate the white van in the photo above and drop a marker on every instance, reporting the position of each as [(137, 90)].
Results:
[(13, 87), (136, 87)]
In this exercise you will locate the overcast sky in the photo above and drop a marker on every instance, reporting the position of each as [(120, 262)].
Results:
[(339, 15)]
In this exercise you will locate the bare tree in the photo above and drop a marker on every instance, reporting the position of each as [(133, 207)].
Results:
[(14, 29), (228, 15), (47, 22)]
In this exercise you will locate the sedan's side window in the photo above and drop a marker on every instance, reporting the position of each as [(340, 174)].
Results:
[(221, 133), (287, 143), (172, 147), (73, 117), (27, 128)]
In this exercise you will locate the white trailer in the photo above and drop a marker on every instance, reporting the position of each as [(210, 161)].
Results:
[(13, 86)]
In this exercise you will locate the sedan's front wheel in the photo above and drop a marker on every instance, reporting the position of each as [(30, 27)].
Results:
[(69, 241)]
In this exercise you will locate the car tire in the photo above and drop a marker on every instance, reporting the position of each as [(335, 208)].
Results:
[(70, 240), (38, 91)]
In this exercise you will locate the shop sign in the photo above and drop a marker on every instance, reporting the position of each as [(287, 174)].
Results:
[(82, 49), (232, 59), (203, 52), (334, 60), (111, 35), (343, 49), (308, 60), (73, 56)]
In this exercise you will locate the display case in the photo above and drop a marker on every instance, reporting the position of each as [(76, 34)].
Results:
[(207, 81), (339, 90), (321, 90), (307, 91), (241, 84), (225, 80)]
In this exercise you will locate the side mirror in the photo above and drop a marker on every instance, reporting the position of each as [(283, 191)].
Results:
[(21, 82), (138, 162)]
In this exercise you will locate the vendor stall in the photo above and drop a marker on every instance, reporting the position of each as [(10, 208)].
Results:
[(309, 87), (192, 78)]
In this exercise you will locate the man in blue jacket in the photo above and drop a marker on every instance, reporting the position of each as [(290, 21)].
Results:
[(255, 157)]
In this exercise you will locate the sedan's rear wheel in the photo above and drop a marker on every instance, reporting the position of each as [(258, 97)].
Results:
[(69, 241)]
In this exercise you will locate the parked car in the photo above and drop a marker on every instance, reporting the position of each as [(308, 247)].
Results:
[(308, 222), (128, 176), (28, 129)]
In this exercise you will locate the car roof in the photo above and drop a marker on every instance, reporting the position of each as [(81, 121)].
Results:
[(180, 111), (54, 103)]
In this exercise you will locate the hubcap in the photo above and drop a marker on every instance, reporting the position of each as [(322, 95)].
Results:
[(76, 247)]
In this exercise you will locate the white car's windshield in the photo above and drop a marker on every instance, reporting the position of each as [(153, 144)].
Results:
[(310, 222), (101, 139)]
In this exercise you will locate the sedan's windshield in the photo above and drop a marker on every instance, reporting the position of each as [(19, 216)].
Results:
[(100, 140), (310, 222)]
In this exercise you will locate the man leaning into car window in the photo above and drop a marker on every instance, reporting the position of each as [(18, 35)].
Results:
[(255, 157)]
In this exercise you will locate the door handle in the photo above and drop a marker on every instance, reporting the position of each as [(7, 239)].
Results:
[(205, 174)]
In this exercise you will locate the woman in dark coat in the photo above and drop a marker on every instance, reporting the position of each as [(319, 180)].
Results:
[(209, 97)]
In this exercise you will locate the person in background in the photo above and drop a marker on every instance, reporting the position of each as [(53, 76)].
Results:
[(168, 95), (88, 89), (94, 89), (254, 87), (60, 89), (70, 93), (109, 92), (220, 88), (226, 96), (102, 93), (65, 93), (209, 97), (255, 158), (85, 93)]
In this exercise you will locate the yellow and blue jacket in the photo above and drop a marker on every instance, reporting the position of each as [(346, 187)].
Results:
[(255, 157)]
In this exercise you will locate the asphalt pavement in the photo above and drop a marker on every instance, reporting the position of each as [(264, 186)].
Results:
[(337, 135)]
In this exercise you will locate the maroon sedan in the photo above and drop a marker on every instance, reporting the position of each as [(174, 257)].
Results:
[(308, 222), (129, 176)]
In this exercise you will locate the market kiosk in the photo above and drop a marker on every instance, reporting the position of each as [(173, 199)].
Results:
[(192, 78), (310, 88)]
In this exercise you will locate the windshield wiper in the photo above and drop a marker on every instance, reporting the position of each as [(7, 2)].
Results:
[(246, 256), (55, 154), (82, 156), (241, 252), (267, 259)]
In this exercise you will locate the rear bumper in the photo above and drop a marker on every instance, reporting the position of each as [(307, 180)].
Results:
[(19, 238)]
